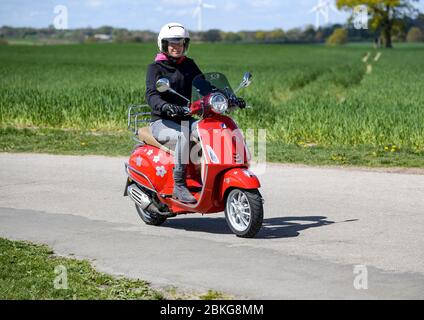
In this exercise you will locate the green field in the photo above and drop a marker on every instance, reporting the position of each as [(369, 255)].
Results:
[(319, 105)]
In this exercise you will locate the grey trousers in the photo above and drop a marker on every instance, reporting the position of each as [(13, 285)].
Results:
[(176, 136)]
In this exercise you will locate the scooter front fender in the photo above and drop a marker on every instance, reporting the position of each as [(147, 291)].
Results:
[(241, 178)]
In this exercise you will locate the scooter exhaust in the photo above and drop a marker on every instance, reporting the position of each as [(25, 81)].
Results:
[(138, 196)]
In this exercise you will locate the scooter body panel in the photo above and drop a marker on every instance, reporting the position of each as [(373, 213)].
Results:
[(238, 178), (154, 164), (221, 135)]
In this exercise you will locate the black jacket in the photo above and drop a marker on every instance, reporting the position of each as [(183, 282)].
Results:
[(180, 77)]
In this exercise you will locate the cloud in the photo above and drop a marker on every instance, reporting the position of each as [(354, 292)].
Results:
[(34, 13), (264, 4), (177, 3), (231, 6), (173, 11), (95, 3)]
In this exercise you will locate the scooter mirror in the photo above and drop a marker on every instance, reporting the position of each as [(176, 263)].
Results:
[(246, 79), (163, 85)]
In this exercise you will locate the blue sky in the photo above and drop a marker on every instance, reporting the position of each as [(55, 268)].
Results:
[(231, 15)]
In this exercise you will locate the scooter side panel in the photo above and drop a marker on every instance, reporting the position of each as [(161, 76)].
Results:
[(156, 164)]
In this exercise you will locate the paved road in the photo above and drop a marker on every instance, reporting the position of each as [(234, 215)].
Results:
[(320, 224)]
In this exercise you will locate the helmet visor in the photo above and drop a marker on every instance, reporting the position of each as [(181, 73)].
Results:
[(176, 41)]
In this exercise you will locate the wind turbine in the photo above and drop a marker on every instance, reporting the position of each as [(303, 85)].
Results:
[(322, 8), (198, 12)]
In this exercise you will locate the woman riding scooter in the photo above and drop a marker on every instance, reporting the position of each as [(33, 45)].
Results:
[(171, 124)]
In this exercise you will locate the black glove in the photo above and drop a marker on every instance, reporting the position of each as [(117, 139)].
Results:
[(241, 103), (237, 102), (172, 110)]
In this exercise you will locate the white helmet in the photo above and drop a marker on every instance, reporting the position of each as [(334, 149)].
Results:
[(175, 31)]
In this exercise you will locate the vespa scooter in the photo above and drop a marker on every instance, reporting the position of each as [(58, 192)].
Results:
[(219, 178)]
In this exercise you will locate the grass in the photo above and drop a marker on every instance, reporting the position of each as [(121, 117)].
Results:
[(303, 95), (29, 272), (213, 295), (75, 142), (70, 142)]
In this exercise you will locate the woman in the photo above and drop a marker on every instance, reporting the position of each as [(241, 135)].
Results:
[(171, 125), (169, 119)]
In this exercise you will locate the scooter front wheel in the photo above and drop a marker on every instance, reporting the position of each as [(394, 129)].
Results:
[(244, 212), (152, 219)]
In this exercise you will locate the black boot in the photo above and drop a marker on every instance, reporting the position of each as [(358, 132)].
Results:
[(181, 192)]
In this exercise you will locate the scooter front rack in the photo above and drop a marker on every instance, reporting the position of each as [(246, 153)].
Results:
[(138, 114)]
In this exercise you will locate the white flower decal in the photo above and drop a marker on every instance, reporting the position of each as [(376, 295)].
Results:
[(149, 153), (138, 161), (156, 159), (160, 171)]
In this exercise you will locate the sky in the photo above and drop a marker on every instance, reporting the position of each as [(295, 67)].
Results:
[(229, 15)]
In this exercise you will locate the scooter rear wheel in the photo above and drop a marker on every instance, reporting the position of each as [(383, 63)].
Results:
[(244, 212), (149, 218)]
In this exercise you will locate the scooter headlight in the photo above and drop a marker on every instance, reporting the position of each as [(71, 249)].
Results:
[(218, 102)]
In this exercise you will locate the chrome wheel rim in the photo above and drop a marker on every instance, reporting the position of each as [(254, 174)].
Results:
[(238, 210)]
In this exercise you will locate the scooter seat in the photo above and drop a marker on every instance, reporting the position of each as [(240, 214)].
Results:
[(146, 136)]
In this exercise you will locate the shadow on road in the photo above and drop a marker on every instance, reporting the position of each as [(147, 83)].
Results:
[(284, 227), (287, 227)]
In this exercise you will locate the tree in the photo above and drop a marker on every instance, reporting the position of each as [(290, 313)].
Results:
[(415, 35), (230, 36), (309, 34), (386, 15), (105, 30), (294, 35), (212, 35), (260, 35), (339, 37), (277, 35), (319, 36)]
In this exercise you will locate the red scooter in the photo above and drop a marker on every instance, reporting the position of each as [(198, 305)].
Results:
[(217, 172)]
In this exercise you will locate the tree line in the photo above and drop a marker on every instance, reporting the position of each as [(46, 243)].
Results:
[(412, 30)]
